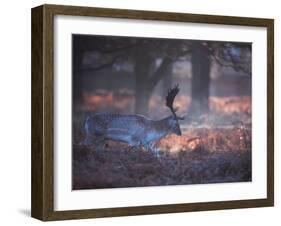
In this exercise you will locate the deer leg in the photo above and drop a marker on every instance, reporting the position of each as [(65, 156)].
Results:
[(131, 147), (145, 147), (99, 142), (156, 152), (87, 141), (134, 144), (93, 141), (154, 149)]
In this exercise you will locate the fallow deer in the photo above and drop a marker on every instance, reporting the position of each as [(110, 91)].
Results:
[(135, 130)]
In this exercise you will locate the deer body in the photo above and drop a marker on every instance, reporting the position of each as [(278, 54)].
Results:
[(135, 130)]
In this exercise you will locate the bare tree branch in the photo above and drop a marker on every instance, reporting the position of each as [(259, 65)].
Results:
[(116, 49), (236, 65), (224, 63), (217, 59), (105, 65), (161, 71), (183, 53)]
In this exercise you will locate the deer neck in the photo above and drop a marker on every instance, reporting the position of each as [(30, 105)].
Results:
[(157, 130), (162, 126)]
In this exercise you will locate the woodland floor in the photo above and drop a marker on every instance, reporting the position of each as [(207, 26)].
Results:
[(197, 157), (215, 149)]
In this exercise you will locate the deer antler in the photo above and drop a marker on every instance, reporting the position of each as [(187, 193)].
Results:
[(171, 97)]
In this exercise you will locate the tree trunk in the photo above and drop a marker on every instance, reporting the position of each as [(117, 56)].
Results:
[(142, 101), (143, 87), (167, 83), (200, 60), (77, 82), (147, 79)]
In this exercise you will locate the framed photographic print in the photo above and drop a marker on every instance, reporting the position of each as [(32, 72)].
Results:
[(141, 112)]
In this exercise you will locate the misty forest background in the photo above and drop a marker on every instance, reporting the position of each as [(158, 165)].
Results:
[(130, 75)]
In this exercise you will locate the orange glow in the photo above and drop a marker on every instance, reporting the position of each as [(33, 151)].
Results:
[(126, 100), (235, 136), (212, 139)]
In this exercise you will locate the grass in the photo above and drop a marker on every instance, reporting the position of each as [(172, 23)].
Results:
[(115, 165)]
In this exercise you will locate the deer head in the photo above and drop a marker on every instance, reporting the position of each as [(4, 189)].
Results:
[(173, 120)]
